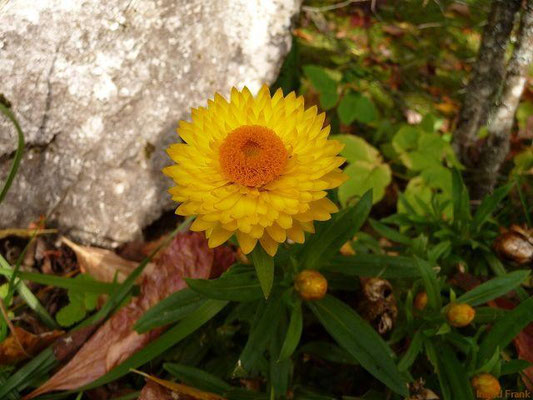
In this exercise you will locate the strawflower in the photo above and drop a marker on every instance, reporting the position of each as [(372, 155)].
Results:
[(257, 167)]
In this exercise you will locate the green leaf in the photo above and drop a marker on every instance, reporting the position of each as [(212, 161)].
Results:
[(489, 205), (364, 177), (494, 288), (355, 335), (265, 323), (239, 286), (452, 373), (92, 286), (488, 315), (431, 283), (356, 107), (328, 351), (369, 265), (412, 352), (389, 233), (198, 378), (18, 154), (37, 367), (25, 293), (514, 367), (357, 149), (71, 314), (460, 198), (331, 235), (505, 330), (324, 84), (406, 139), (366, 170), (280, 370), (181, 330), (264, 267), (171, 309), (294, 332)]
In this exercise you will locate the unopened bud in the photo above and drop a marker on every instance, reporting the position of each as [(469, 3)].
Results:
[(460, 314), (421, 301), (311, 285), (486, 386)]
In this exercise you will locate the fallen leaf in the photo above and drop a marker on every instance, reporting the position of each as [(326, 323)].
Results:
[(11, 351), (181, 389), (103, 265), (187, 256)]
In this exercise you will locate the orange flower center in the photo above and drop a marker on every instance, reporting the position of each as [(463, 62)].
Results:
[(252, 155)]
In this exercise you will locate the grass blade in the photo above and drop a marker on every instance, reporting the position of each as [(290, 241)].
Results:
[(18, 154)]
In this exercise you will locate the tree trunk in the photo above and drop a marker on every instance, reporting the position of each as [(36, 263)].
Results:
[(487, 77), (494, 150)]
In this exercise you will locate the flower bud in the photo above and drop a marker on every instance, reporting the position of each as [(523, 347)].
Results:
[(515, 244), (421, 301), (486, 386), (311, 285), (460, 314)]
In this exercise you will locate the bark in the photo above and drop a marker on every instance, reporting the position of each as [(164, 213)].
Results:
[(487, 77), (493, 151)]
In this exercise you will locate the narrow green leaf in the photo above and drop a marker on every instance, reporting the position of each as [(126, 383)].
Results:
[(494, 288), (31, 300), (294, 332), (181, 330), (18, 154), (38, 366), (431, 283), (372, 265), (358, 338), (412, 352), (328, 351), (264, 267), (280, 370), (61, 282), (171, 309), (233, 287), (454, 373), (461, 200), (514, 367), (331, 235), (118, 296), (488, 315), (489, 205), (505, 330), (389, 233), (198, 378), (265, 323)]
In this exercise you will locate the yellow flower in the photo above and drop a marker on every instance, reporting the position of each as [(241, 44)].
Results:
[(257, 167)]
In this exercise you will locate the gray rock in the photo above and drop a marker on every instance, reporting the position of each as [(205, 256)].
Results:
[(99, 87)]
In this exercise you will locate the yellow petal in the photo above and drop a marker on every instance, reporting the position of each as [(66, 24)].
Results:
[(218, 236), (269, 244), (246, 242)]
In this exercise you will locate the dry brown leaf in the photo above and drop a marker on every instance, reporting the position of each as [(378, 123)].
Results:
[(181, 389), (10, 348), (187, 256), (102, 264)]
